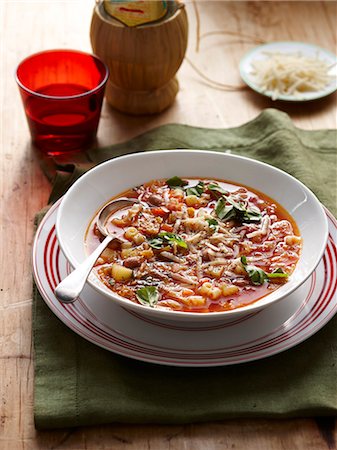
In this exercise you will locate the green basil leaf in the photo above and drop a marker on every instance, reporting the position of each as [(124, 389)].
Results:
[(278, 273), (171, 238), (148, 296), (251, 216), (223, 211), (220, 207), (166, 238), (216, 189), (195, 190), (236, 211), (230, 213), (175, 182), (212, 223), (254, 210), (244, 260), (256, 275), (239, 206), (156, 242)]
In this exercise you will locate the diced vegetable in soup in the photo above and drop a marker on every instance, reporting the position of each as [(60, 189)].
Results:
[(197, 245)]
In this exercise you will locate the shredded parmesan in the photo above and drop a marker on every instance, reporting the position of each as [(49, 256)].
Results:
[(263, 230), (184, 279), (290, 74), (171, 256)]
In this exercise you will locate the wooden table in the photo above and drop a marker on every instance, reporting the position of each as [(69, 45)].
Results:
[(30, 26)]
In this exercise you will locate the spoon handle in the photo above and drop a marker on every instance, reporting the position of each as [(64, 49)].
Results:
[(70, 288)]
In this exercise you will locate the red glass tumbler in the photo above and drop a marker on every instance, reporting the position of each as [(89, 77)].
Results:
[(62, 93)]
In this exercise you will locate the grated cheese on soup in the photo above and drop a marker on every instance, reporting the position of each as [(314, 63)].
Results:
[(290, 74)]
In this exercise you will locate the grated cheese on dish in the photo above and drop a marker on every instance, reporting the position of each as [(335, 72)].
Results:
[(290, 74)]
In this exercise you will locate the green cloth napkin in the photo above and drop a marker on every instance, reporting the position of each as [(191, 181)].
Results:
[(78, 383)]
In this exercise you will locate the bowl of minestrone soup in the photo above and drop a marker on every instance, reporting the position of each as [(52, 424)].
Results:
[(210, 235)]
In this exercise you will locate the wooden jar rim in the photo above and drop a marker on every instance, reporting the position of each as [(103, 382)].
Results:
[(114, 22)]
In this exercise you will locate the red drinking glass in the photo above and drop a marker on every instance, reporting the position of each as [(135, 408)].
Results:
[(62, 93)]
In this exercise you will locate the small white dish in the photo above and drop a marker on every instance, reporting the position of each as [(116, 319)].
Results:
[(308, 50), (257, 335), (88, 194)]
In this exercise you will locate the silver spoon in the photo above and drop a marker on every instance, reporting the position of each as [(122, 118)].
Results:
[(70, 288)]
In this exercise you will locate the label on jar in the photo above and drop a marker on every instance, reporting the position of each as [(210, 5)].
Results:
[(133, 13)]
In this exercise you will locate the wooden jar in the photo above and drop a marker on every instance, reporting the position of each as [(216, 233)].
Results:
[(142, 60)]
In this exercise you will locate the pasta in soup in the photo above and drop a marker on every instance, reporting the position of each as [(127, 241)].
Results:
[(197, 245)]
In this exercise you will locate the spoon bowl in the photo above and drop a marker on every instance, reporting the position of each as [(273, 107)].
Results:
[(107, 211), (71, 287)]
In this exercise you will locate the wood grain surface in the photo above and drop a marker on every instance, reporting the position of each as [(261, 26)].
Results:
[(30, 26)]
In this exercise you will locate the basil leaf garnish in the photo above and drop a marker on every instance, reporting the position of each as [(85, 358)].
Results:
[(219, 208), (216, 189), (212, 223), (171, 238), (278, 273), (166, 238), (257, 276), (156, 242), (223, 211), (196, 190), (148, 296), (236, 205), (243, 260), (175, 182), (251, 216), (246, 214), (236, 211)]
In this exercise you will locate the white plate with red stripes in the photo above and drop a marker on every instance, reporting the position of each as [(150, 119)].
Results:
[(258, 335)]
